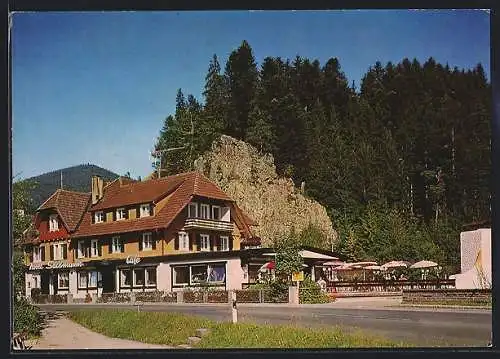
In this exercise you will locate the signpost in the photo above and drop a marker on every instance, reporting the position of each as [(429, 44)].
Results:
[(298, 277)]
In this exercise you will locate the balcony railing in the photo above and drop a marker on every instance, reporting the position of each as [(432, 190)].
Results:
[(192, 223)]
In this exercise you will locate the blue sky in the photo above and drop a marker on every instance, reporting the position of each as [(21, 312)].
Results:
[(96, 87)]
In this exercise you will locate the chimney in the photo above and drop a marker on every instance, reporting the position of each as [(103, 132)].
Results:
[(97, 188)]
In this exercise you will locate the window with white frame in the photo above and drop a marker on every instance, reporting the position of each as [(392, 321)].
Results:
[(193, 210), (151, 276), (147, 241), (139, 277), (224, 243), (82, 279), (94, 250), (205, 242), (93, 277), (125, 277), (63, 280), (116, 245), (81, 249), (53, 223), (145, 210), (205, 211), (37, 254), (99, 217), (216, 213), (181, 275), (121, 214), (183, 241), (57, 252)]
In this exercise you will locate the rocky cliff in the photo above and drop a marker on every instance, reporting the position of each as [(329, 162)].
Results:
[(251, 180)]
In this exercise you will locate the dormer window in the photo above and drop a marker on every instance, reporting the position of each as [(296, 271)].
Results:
[(193, 210), (216, 213), (205, 211), (146, 210), (53, 223), (121, 214), (99, 217)]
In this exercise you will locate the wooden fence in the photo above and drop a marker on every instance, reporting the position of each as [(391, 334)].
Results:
[(387, 286)]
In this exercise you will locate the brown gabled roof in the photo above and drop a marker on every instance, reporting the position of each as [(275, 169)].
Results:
[(182, 187), (69, 205), (120, 193)]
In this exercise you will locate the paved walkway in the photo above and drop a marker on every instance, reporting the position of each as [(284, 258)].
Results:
[(62, 333)]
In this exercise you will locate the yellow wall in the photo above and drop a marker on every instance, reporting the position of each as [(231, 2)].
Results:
[(132, 213), (109, 216)]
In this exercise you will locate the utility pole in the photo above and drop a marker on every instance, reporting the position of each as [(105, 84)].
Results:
[(61, 181), (159, 153)]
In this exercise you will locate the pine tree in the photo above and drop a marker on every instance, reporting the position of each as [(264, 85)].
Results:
[(241, 77)]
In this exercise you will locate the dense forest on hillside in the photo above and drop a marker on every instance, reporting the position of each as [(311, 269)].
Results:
[(76, 178), (400, 163)]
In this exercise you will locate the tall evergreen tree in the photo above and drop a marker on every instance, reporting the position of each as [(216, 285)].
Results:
[(241, 77)]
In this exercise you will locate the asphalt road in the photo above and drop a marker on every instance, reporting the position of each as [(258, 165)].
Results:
[(420, 327)]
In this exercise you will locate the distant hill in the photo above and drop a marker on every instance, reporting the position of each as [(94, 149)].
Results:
[(76, 178)]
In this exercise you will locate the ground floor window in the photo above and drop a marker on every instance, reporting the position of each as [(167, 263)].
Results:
[(89, 279), (63, 280), (199, 274), (142, 277)]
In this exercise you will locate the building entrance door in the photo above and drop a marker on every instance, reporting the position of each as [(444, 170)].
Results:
[(44, 282), (108, 280)]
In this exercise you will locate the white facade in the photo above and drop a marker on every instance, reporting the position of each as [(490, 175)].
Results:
[(32, 280), (475, 256)]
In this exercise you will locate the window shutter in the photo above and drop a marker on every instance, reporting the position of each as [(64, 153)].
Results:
[(31, 255), (154, 235), (190, 238), (64, 251), (92, 216), (211, 240), (138, 212), (43, 253), (176, 241), (87, 248), (230, 240), (140, 243), (51, 252), (110, 245), (198, 242), (121, 241), (99, 249)]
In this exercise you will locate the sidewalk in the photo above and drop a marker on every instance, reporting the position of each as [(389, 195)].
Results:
[(62, 333)]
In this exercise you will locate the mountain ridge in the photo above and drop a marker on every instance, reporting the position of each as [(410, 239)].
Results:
[(74, 178)]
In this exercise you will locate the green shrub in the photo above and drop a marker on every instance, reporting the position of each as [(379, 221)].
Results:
[(27, 319), (310, 292)]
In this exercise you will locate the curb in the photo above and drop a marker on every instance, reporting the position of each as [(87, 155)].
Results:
[(443, 306)]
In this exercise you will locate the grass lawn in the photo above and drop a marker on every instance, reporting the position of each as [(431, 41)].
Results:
[(174, 329)]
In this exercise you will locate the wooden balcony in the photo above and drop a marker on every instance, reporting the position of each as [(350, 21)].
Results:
[(209, 224)]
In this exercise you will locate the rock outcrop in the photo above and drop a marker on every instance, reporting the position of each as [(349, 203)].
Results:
[(251, 180)]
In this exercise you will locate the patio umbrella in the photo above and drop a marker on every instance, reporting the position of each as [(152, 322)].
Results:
[(267, 266), (394, 264), (424, 264)]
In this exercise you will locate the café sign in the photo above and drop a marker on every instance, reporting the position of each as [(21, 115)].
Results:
[(132, 260)]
